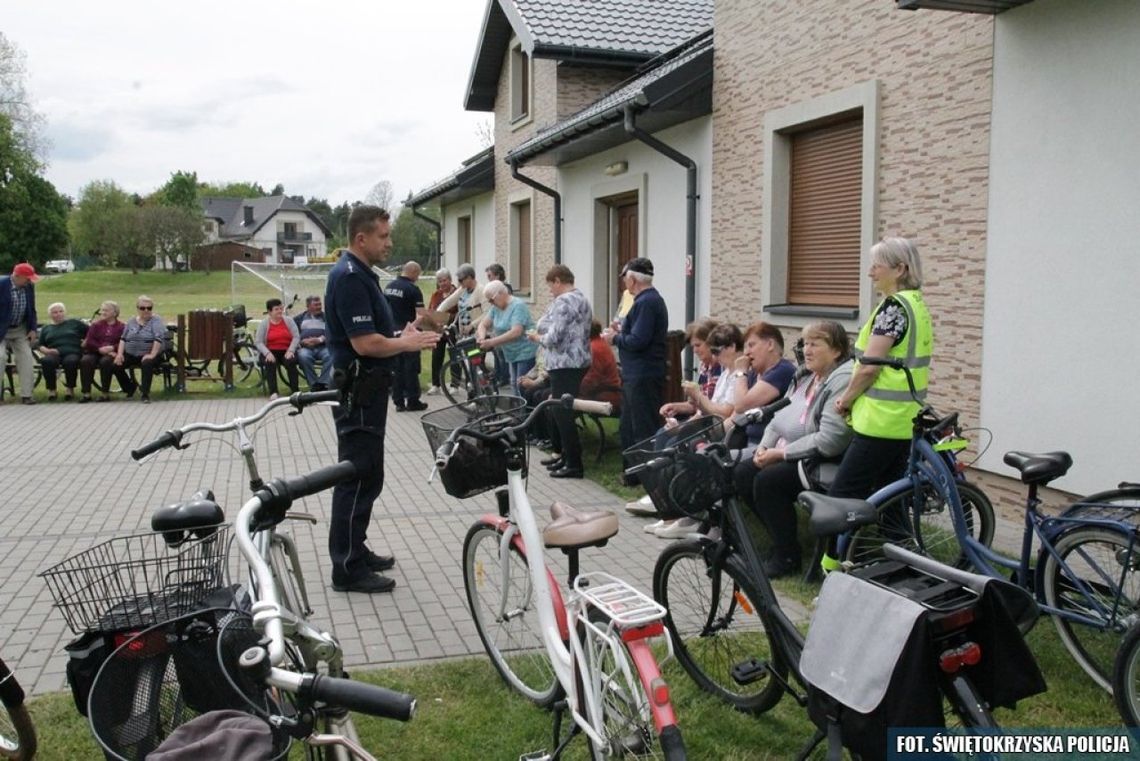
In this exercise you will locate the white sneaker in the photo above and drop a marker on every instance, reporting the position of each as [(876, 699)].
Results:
[(433, 391), (643, 506), (652, 527), (678, 529), (273, 397)]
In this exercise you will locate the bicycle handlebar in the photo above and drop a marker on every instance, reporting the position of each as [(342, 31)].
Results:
[(359, 696), (760, 414), (173, 438)]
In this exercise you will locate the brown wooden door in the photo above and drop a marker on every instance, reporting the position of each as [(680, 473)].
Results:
[(626, 237)]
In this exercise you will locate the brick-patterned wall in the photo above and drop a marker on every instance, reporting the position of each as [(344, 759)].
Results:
[(578, 87), (935, 76)]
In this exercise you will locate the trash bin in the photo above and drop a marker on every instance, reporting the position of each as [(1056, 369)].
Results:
[(674, 346)]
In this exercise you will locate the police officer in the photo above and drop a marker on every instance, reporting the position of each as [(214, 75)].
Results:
[(363, 341), (404, 296)]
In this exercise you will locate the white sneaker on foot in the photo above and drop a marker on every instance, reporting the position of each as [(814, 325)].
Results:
[(643, 506), (652, 527), (433, 391), (678, 529), (273, 397)]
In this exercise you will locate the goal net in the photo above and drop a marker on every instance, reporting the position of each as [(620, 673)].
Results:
[(253, 283)]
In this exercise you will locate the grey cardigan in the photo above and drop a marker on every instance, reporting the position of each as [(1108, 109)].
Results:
[(827, 431), (263, 331)]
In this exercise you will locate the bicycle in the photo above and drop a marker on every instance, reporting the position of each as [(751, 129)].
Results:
[(17, 730), (732, 635), (587, 653), (467, 368)]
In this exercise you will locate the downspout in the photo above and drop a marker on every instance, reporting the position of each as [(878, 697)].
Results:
[(634, 131), (557, 206), (438, 235)]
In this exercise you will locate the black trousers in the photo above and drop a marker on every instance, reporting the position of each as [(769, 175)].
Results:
[(563, 431), (360, 439), (868, 465), (126, 381), (438, 356), (406, 381), (771, 493), (50, 365), (640, 407), (91, 361), (270, 369)]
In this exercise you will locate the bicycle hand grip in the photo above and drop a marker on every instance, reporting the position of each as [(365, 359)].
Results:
[(657, 463), (359, 696), (303, 399), (605, 409), (317, 481), (168, 439), (761, 414)]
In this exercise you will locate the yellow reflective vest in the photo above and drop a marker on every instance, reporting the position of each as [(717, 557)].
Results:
[(886, 409)]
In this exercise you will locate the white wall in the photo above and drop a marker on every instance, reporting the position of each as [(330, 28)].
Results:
[(481, 209), (266, 236), (1061, 353), (662, 213)]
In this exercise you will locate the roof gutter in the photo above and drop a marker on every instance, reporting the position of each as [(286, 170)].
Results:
[(637, 133), (438, 235), (557, 206)]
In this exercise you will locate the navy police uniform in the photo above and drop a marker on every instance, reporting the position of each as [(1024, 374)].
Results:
[(404, 296), (354, 305)]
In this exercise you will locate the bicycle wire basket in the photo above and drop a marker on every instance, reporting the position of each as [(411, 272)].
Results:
[(691, 483), (174, 672), (131, 582), (475, 466)]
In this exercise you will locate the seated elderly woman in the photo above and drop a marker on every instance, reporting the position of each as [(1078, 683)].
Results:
[(142, 344), (505, 327), (60, 344), (276, 341), (801, 447), (99, 348), (708, 370)]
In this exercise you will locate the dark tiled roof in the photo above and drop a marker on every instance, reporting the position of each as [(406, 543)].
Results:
[(686, 69), (477, 175), (231, 213), (600, 32)]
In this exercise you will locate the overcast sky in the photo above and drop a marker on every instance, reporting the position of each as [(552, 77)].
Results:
[(327, 98)]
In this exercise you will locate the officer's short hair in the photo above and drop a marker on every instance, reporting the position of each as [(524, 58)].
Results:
[(364, 218)]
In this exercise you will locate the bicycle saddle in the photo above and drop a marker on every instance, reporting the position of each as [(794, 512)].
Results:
[(198, 516), (1039, 469), (831, 516), (572, 528)]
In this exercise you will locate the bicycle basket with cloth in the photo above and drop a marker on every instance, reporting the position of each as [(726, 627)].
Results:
[(475, 466), (691, 483), (872, 655), (172, 673)]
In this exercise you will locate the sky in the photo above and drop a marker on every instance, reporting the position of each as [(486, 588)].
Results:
[(326, 98)]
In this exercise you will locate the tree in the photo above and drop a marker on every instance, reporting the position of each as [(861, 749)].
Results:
[(278, 190), (485, 132), (232, 190), (27, 124), (412, 239), (33, 215), (171, 233), (181, 191), (97, 227), (381, 195)]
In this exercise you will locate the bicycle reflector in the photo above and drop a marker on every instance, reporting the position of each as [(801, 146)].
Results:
[(969, 654)]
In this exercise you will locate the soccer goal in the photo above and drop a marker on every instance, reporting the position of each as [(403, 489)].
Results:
[(253, 283)]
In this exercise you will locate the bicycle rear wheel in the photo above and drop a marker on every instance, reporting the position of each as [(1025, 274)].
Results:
[(17, 732), (1106, 563), (1126, 678), (935, 535), (717, 627), (505, 612), (458, 376)]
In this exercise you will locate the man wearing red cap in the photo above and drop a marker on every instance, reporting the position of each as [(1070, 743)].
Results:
[(18, 323)]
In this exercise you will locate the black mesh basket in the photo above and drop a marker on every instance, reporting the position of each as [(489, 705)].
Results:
[(690, 484), (160, 678), (475, 466), (131, 582)]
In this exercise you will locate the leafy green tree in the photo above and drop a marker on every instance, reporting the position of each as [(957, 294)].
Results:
[(171, 233), (232, 190), (33, 215), (412, 239), (129, 242), (27, 124), (278, 190), (181, 191), (97, 226)]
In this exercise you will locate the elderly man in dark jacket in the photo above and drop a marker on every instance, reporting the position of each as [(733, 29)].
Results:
[(18, 324)]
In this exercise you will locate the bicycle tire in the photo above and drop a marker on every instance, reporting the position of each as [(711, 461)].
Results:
[(695, 593), (1128, 496), (936, 530), (17, 730), (244, 365), (966, 703), (515, 645), (458, 376), (622, 716), (1126, 678), (1094, 555)]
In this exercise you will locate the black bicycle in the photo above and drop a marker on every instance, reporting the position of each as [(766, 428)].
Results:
[(470, 375), (17, 732), (733, 637)]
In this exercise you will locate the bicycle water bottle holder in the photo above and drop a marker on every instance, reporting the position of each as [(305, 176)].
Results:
[(625, 606)]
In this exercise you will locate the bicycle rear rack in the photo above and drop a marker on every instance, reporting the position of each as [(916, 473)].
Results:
[(624, 605)]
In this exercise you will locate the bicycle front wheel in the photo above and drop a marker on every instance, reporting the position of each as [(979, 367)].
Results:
[(935, 535), (1093, 574), (721, 637), (17, 732), (505, 611), (1126, 678)]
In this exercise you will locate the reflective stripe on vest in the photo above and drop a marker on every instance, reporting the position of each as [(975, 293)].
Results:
[(886, 410)]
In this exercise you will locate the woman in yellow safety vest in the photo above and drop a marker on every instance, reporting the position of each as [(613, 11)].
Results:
[(878, 398)]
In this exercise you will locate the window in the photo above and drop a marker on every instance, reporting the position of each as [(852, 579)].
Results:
[(290, 231), (521, 249), (520, 84), (464, 242), (820, 165)]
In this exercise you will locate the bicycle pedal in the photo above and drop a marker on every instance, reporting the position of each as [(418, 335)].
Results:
[(749, 671), (538, 755)]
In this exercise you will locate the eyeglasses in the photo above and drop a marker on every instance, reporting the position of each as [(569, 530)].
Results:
[(146, 309)]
